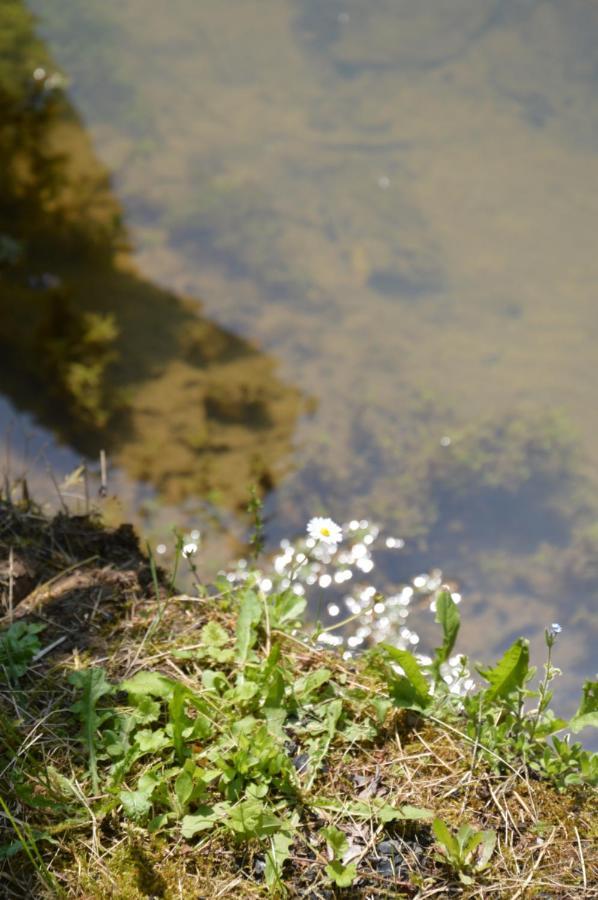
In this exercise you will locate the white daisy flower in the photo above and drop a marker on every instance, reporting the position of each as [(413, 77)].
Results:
[(189, 550), (324, 530)]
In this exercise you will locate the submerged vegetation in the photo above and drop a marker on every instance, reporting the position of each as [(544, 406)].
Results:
[(213, 744), (101, 355)]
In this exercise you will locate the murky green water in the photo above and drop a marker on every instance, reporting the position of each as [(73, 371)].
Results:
[(349, 249)]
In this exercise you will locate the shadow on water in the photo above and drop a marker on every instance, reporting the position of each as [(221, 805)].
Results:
[(98, 354)]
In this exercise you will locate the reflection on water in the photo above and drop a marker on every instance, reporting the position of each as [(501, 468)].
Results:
[(396, 200), (98, 353)]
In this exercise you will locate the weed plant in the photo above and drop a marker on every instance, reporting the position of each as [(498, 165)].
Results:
[(217, 747)]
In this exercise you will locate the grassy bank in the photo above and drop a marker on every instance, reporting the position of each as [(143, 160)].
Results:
[(212, 745)]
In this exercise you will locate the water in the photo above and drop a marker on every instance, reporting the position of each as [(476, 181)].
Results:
[(349, 249)]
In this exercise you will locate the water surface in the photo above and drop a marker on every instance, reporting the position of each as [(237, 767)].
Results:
[(385, 213)]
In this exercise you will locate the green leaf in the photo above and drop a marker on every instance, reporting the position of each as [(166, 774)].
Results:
[(149, 741), (146, 709), (214, 681), (280, 850), (587, 714), (510, 673), (250, 615), (150, 683), (333, 714), (373, 809), (245, 691), (488, 843), (203, 819), (159, 822), (307, 684), (342, 876), (410, 691), (286, 607), (250, 818), (213, 635), (93, 685), (336, 840), (183, 788), (61, 783), (381, 705), (444, 837), (359, 731), (388, 813), (18, 646), (136, 804), (176, 710), (447, 615)]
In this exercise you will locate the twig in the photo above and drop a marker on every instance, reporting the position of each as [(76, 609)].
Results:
[(581, 859), (45, 650)]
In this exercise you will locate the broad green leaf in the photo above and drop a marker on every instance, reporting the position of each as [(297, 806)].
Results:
[(203, 819), (510, 673), (342, 876), (183, 788), (256, 791), (447, 616), (243, 726), (307, 684), (488, 843), (464, 835), (381, 705), (587, 714), (286, 607), (446, 838), (136, 804), (550, 724), (146, 709), (410, 690), (251, 818), (149, 741), (159, 822), (214, 681), (245, 691), (280, 850), (250, 615), (151, 683)]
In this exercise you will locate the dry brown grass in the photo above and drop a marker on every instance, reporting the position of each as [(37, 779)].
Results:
[(94, 591)]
